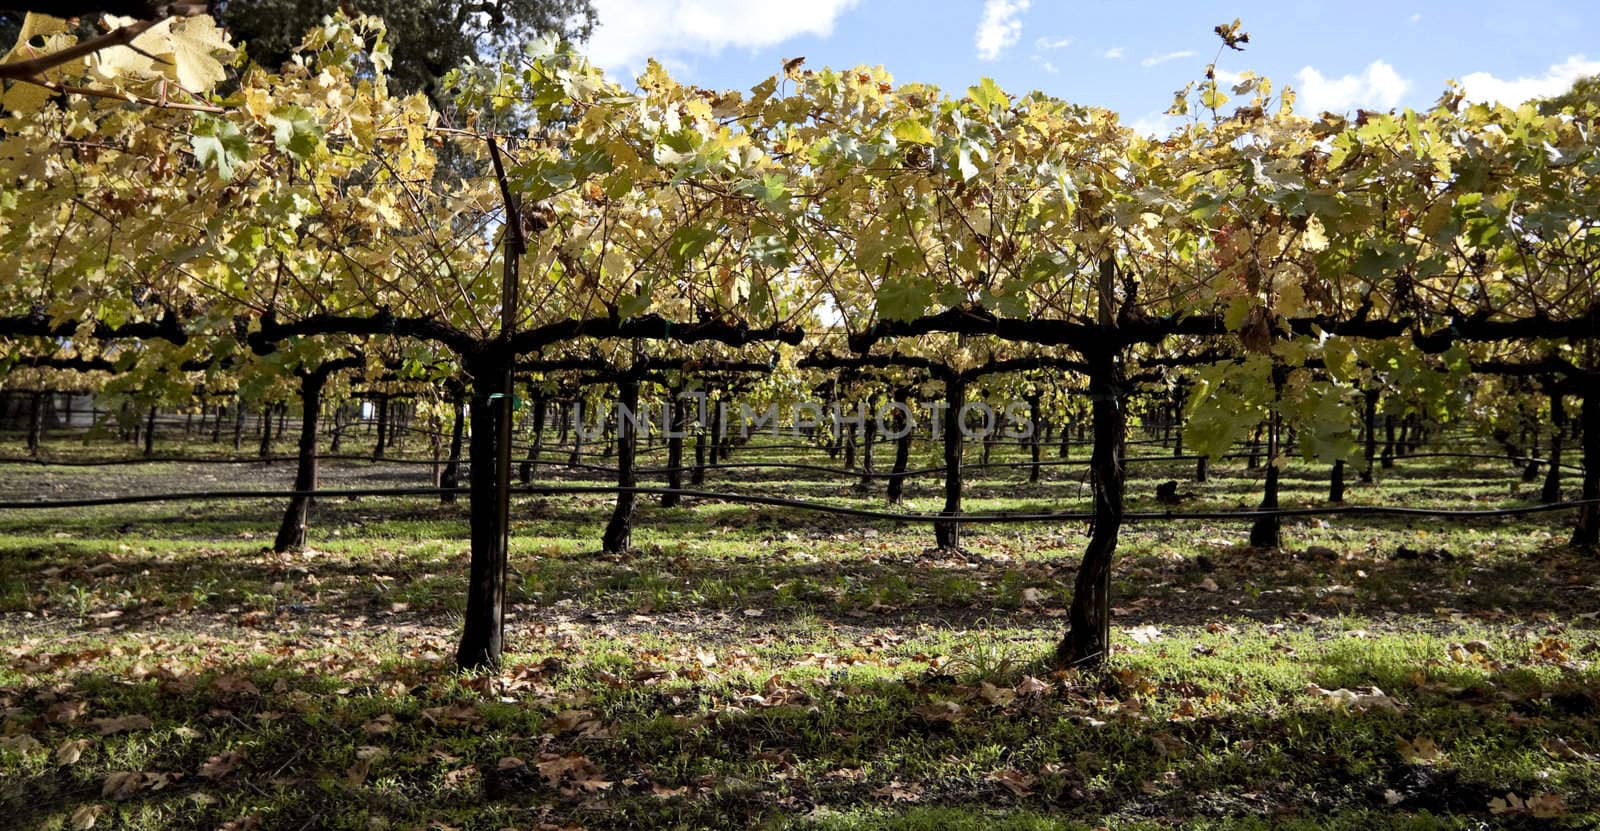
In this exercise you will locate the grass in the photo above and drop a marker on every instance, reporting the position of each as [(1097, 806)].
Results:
[(765, 668)]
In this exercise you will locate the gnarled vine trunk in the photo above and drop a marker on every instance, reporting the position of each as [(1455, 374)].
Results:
[(619, 531), (382, 406), (1587, 534), (451, 477), (680, 424), (483, 629), (1088, 638), (292, 530), (1551, 492), (947, 534), (1267, 531), (535, 443), (1035, 437), (902, 446), (36, 424)]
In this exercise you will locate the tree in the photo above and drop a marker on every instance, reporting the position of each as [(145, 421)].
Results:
[(429, 37)]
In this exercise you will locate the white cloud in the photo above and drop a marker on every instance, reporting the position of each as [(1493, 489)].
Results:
[(1156, 125), (1481, 86), (1052, 43), (1113, 53), (1000, 29), (1378, 86), (632, 30), (1154, 60), (1416, 17), (1046, 65)]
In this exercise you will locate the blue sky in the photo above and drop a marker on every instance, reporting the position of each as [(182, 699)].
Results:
[(1127, 56)]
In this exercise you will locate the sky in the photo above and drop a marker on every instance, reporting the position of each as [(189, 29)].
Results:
[(1127, 56)]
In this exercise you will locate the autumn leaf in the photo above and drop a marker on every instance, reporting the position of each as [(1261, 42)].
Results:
[(121, 785), (84, 817), (940, 711), (1360, 699), (1418, 750), (70, 751), (19, 744), (1015, 781), (1547, 806), (1144, 634), (195, 47), (1031, 686), (221, 765), (1560, 748), (108, 726), (380, 725), (66, 712), (573, 768), (997, 696), (897, 791)]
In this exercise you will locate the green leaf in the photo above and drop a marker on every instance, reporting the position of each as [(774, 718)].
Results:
[(295, 130), (988, 95), (686, 243), (770, 250), (913, 131), (636, 304), (903, 298), (771, 190), (219, 143)]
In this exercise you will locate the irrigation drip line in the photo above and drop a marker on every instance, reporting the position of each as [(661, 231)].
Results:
[(214, 460), (653, 471), (780, 502)]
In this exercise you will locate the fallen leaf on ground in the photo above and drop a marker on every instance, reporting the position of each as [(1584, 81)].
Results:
[(84, 818), (221, 764), (70, 751), (108, 726), (122, 784)]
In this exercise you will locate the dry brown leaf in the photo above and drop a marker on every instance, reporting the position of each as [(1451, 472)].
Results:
[(940, 711), (70, 751), (84, 817), (1509, 804), (1144, 634), (998, 696), (574, 768), (108, 726), (1030, 685), (897, 791), (234, 685), (381, 724), (122, 784), (66, 712), (1016, 781), (1360, 699), (1547, 806), (1420, 749), (19, 744), (221, 764), (1561, 749)]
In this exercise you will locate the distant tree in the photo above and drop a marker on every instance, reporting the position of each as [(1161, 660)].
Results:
[(428, 38), (1583, 90)]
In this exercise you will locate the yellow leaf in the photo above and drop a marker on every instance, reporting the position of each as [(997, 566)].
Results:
[(70, 751), (194, 46), (35, 25), (122, 784), (1316, 237), (83, 818)]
